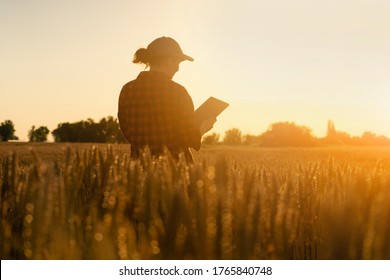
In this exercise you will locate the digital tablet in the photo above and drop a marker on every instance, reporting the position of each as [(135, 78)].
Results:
[(211, 108)]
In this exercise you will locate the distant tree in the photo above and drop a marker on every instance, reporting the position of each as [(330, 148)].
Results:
[(39, 134), (7, 131), (344, 138), (64, 133), (341, 138), (369, 138), (211, 139), (111, 131), (334, 137), (249, 139), (331, 132), (105, 131), (89, 131), (287, 134), (82, 131), (233, 137)]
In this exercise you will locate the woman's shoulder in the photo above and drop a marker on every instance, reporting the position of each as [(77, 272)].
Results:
[(178, 87)]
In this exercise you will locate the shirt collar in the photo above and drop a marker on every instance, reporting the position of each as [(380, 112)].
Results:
[(152, 74)]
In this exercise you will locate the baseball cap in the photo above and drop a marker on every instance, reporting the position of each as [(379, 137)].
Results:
[(168, 47)]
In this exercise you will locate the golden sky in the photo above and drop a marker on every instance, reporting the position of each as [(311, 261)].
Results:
[(303, 61)]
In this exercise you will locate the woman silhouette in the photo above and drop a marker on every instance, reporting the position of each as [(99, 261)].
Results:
[(156, 113)]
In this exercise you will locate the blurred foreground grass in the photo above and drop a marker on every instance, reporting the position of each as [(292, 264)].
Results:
[(93, 202)]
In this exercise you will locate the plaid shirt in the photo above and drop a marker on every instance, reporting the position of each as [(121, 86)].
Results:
[(156, 112)]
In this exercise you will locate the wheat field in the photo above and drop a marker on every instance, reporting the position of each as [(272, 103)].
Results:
[(89, 201)]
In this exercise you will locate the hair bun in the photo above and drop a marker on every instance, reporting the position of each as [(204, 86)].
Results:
[(141, 56)]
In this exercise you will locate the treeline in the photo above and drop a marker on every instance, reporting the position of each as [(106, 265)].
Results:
[(281, 134), (105, 131), (288, 134)]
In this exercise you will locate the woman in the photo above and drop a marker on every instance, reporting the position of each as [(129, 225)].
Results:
[(156, 113)]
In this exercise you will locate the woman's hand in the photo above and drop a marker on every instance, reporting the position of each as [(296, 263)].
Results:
[(207, 125)]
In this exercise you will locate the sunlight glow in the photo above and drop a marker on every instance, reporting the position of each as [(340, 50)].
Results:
[(302, 61)]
